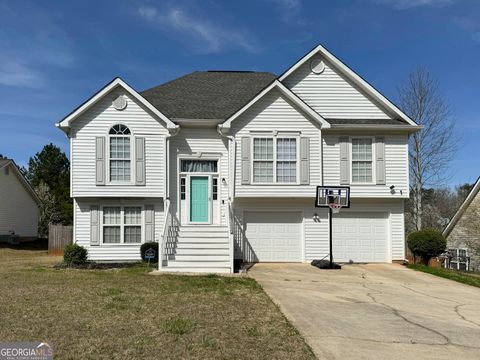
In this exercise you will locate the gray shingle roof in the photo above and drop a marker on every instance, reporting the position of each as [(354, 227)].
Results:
[(207, 94)]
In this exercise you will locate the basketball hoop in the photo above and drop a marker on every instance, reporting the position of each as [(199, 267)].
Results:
[(335, 207)]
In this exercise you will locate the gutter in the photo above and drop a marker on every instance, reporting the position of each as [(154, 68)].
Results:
[(409, 128)]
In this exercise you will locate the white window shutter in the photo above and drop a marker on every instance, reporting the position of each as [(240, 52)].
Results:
[(380, 160), (304, 160), (139, 161), (100, 168), (344, 160), (149, 223), (94, 225), (246, 163)]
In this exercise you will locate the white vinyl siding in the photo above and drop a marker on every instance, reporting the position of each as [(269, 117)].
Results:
[(18, 210), (275, 114), (332, 95), (97, 121), (396, 167), (314, 229), (113, 252)]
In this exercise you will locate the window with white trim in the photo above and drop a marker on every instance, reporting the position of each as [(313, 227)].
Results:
[(122, 224), (274, 160), (120, 153), (362, 160), (458, 259)]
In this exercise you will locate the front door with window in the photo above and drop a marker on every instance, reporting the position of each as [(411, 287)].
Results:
[(199, 199)]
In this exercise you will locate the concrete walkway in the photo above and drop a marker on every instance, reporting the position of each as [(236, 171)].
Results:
[(381, 311)]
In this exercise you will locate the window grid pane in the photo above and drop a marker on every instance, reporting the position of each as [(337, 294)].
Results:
[(111, 234), (286, 171), (119, 170), (111, 215), (263, 149), (120, 148), (362, 171), (286, 160), (133, 215), (263, 171), (132, 234)]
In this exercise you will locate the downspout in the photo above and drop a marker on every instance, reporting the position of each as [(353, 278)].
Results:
[(231, 164), (171, 133)]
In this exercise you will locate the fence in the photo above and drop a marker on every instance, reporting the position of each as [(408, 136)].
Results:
[(58, 237)]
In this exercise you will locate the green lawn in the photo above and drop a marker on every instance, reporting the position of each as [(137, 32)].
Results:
[(472, 279), (126, 313)]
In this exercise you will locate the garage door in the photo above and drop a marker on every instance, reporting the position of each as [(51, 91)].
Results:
[(273, 236), (361, 237)]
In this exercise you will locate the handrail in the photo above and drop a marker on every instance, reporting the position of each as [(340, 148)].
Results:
[(164, 234), (230, 237)]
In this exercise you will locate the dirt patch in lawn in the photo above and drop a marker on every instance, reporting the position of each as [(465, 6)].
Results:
[(124, 313)]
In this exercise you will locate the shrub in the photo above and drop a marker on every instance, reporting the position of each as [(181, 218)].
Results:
[(75, 255), (426, 244), (145, 247)]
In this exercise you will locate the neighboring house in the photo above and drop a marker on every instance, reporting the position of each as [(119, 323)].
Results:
[(223, 165), (463, 231), (19, 205)]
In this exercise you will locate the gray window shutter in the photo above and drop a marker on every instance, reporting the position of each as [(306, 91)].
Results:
[(304, 160), (100, 160), (344, 160), (149, 223), (380, 160), (94, 225), (246, 160), (139, 161)]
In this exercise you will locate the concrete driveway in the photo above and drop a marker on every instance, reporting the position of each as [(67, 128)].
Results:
[(381, 311)]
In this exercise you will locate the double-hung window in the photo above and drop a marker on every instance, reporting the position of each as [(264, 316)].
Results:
[(120, 154), (274, 160), (362, 160), (122, 225)]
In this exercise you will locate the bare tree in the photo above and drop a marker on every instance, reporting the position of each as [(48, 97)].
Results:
[(432, 148)]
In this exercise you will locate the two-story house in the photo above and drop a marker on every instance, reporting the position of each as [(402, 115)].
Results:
[(222, 165)]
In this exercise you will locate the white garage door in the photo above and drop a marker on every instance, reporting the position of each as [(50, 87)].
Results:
[(273, 236), (361, 237)]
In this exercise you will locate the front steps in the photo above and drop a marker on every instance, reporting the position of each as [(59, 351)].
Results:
[(200, 248)]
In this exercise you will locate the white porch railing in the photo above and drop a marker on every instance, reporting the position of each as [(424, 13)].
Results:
[(164, 237)]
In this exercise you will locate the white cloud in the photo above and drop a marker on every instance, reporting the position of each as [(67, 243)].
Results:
[(214, 38), (470, 26), (408, 4), (289, 11), (14, 73)]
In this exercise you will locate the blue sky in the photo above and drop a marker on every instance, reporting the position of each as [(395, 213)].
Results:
[(55, 54)]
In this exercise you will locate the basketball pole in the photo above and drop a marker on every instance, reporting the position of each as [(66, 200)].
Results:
[(330, 213)]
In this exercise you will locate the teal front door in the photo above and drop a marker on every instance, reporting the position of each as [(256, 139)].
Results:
[(199, 199)]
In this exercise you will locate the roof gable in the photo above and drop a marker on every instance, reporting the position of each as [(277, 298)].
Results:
[(11, 164), (352, 77), (285, 92), (115, 83), (461, 210), (207, 94)]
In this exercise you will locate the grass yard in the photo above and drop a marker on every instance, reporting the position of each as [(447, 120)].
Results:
[(460, 276), (125, 314)]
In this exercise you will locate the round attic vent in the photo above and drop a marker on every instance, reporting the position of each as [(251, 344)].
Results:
[(120, 103), (317, 66)]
